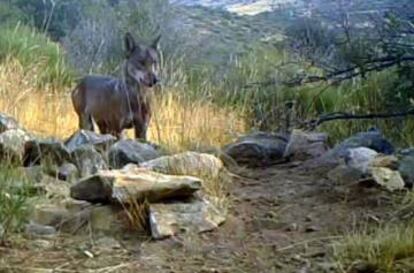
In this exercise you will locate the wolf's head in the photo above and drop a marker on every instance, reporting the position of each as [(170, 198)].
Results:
[(142, 61)]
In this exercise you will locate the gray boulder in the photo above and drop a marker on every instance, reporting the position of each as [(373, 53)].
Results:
[(130, 151), (46, 151), (8, 123), (360, 158), (68, 172), (193, 215), (84, 137), (258, 149), (12, 145), (87, 160), (372, 139), (187, 163), (406, 166), (37, 230), (305, 145)]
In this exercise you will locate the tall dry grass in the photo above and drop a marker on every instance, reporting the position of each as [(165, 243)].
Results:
[(178, 124)]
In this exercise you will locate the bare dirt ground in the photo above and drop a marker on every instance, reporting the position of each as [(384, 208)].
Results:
[(281, 220)]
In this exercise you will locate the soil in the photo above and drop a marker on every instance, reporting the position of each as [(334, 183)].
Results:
[(281, 220)]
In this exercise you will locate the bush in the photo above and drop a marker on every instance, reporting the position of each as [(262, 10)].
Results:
[(36, 53)]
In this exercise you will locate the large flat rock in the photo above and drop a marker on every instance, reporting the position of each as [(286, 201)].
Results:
[(122, 186)]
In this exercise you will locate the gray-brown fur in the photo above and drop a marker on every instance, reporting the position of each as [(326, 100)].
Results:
[(116, 104)]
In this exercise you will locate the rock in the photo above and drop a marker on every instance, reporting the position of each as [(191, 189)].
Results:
[(49, 215), (68, 172), (387, 178), (305, 145), (259, 149), (386, 161), (371, 139), (130, 151), (344, 175), (12, 145), (54, 188), (35, 230), (195, 215), (46, 152), (121, 186), (8, 123), (74, 206), (362, 267), (360, 158), (84, 137), (188, 163), (88, 160), (406, 166), (108, 220), (108, 243)]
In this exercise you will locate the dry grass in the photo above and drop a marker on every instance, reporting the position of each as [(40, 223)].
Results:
[(389, 250), (177, 124)]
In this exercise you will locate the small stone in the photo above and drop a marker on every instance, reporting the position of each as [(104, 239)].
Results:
[(292, 227), (34, 229), (49, 215), (107, 243), (41, 244), (312, 229), (68, 172)]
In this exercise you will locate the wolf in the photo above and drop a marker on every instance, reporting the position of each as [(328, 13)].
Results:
[(122, 103)]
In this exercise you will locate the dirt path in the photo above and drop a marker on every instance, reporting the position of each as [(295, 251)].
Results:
[(281, 220)]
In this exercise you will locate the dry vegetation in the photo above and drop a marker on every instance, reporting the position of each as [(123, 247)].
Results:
[(177, 124)]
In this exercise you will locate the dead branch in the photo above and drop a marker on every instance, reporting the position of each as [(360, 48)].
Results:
[(312, 124)]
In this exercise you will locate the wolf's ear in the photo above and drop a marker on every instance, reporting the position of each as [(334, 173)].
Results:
[(156, 43), (130, 44)]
